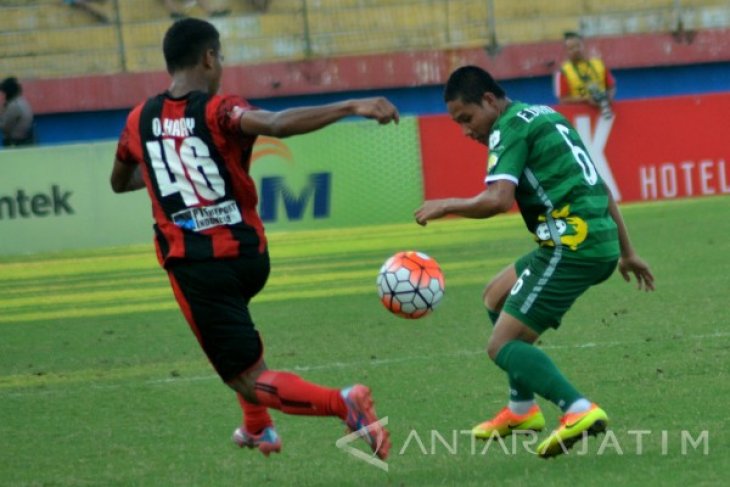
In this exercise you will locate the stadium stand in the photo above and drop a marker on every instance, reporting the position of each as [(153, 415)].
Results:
[(47, 39)]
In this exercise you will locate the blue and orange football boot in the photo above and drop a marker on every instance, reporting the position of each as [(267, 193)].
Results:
[(361, 419), (267, 441)]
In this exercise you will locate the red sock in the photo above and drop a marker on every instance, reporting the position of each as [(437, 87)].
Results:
[(290, 394), (255, 416)]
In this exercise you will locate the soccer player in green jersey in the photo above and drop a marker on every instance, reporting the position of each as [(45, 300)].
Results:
[(537, 159)]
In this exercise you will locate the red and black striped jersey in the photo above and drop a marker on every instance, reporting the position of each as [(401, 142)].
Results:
[(195, 162)]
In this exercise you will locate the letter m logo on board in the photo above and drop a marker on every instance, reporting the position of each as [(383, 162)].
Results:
[(274, 191)]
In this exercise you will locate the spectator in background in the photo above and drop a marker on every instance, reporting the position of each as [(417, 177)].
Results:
[(16, 116), (90, 7), (177, 12), (584, 80), (259, 5)]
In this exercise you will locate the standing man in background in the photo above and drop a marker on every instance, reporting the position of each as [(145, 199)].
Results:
[(584, 80), (16, 115)]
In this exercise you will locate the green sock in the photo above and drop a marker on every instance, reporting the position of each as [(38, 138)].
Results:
[(517, 392), (532, 369)]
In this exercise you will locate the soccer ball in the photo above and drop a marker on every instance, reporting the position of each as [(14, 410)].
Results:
[(410, 284)]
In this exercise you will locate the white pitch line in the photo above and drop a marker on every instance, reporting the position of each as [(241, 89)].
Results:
[(417, 358), (376, 363)]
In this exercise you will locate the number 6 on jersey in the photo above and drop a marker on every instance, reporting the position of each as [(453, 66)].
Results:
[(188, 170)]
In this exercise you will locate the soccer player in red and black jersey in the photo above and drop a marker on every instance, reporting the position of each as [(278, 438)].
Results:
[(191, 148)]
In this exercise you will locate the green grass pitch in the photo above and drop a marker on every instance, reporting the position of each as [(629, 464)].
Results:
[(102, 383)]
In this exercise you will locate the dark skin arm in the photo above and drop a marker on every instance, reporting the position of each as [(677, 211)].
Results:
[(498, 198), (285, 123), (295, 121), (630, 262), (126, 177)]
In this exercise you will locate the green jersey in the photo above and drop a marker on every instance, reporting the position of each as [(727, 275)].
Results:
[(562, 198)]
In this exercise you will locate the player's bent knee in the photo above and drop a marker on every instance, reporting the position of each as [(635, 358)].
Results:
[(497, 290), (493, 348), (244, 386), (489, 305), (490, 301), (245, 382)]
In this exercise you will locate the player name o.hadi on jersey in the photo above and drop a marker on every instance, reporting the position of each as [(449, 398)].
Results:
[(173, 127)]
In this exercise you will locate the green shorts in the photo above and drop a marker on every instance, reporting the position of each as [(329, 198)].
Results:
[(548, 284)]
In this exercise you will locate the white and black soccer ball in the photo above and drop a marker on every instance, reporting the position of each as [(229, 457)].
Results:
[(410, 284)]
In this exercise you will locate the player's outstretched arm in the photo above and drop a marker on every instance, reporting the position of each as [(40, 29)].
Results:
[(498, 198), (630, 262), (295, 121), (126, 177)]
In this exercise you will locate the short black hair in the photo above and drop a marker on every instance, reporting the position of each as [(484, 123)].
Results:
[(571, 35), (187, 41), (469, 83), (11, 88)]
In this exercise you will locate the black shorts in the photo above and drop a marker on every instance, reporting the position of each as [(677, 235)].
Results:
[(214, 295)]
